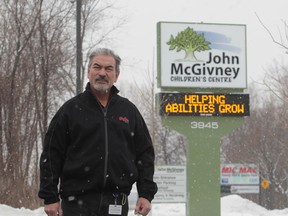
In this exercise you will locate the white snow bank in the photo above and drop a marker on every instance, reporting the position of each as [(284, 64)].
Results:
[(232, 205)]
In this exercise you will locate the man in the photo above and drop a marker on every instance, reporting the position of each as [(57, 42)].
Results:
[(97, 146)]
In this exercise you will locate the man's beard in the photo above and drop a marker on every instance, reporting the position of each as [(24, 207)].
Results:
[(101, 87)]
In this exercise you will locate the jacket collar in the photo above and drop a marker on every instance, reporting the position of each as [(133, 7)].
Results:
[(113, 90)]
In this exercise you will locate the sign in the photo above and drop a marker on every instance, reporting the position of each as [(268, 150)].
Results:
[(239, 174), (265, 184), (171, 182), (201, 55), (194, 104), (240, 189)]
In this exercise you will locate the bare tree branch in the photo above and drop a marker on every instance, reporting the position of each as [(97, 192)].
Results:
[(281, 43)]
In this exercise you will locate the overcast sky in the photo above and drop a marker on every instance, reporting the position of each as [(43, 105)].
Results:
[(137, 42)]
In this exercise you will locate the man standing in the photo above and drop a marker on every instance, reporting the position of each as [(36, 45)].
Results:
[(97, 146)]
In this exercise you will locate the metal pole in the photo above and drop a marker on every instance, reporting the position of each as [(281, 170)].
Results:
[(78, 47)]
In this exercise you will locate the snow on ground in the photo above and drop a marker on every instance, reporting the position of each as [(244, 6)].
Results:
[(232, 205)]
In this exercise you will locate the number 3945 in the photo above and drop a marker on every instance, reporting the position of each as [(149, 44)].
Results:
[(203, 125)]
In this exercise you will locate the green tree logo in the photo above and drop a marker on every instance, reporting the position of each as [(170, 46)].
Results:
[(190, 42)]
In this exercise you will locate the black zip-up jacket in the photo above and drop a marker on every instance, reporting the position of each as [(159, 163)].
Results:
[(92, 149)]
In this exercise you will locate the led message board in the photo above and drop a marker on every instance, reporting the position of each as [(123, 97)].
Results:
[(194, 104)]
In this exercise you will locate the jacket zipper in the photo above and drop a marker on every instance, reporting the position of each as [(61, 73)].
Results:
[(106, 146), (104, 110)]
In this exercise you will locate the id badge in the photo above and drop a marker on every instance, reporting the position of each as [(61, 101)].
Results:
[(115, 209)]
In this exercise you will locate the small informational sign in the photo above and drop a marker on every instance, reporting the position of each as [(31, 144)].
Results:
[(239, 174), (245, 189), (196, 104), (240, 189), (201, 55), (171, 181)]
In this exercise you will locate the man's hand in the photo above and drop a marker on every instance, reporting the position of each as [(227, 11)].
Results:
[(143, 206), (53, 209)]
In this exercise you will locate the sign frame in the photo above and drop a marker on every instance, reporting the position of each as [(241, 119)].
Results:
[(221, 64)]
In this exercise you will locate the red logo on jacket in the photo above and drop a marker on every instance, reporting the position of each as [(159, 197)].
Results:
[(124, 119)]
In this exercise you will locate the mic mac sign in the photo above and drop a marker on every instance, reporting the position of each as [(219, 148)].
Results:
[(240, 178)]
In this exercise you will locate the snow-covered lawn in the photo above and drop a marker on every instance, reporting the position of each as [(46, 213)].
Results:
[(232, 205)]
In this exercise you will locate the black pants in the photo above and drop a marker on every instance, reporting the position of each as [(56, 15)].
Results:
[(95, 204)]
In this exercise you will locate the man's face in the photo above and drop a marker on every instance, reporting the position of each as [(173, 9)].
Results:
[(102, 73)]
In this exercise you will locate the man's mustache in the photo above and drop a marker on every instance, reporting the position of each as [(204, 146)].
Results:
[(100, 78)]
